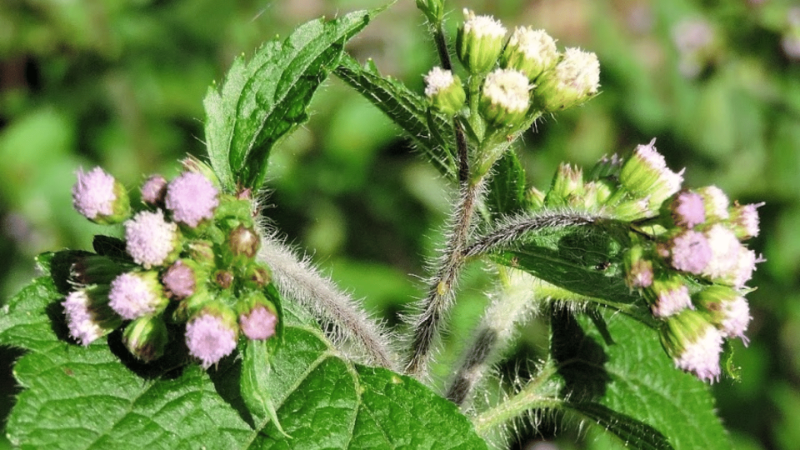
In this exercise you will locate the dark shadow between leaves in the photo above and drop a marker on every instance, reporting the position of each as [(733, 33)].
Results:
[(227, 377), (580, 359), (168, 367)]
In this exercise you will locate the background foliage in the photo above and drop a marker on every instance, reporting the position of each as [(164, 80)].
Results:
[(120, 84)]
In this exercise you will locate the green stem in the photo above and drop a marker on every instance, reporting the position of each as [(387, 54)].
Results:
[(533, 396)]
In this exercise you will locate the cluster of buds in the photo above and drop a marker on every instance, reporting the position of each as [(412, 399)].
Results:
[(518, 76), (686, 254), (188, 263)]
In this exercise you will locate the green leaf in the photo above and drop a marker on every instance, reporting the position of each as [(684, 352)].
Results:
[(506, 194), (100, 397), (265, 98), (433, 134), (612, 384)]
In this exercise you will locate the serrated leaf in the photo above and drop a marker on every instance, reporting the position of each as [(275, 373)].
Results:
[(265, 98), (432, 133), (506, 194), (99, 397), (612, 384)]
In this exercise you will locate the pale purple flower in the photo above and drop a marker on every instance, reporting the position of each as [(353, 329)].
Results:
[(647, 175), (209, 339), (259, 324), (150, 239), (725, 249), (672, 300), (688, 210), (81, 320), (191, 197), (745, 266), (134, 295), (179, 279), (154, 189), (736, 318), (744, 220), (93, 194), (716, 203), (690, 252), (701, 357)]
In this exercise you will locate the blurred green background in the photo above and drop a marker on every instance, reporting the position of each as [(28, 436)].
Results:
[(120, 84)]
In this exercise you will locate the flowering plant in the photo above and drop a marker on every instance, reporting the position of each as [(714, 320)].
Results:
[(199, 326)]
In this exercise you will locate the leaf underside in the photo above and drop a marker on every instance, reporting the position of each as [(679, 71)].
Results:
[(96, 397)]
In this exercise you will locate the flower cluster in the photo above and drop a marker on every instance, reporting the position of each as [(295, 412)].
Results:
[(517, 77), (686, 253), (188, 264)]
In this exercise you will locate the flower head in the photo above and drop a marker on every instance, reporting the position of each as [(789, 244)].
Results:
[(154, 190), (576, 78), (530, 51), (136, 294), (687, 209), (690, 252), (151, 240), (146, 338), (479, 42), (444, 91), (693, 343), (505, 97), (671, 297), (191, 197), (181, 278), (715, 202), (259, 324), (744, 220), (646, 174), (727, 309), (99, 197), (210, 336), (725, 250), (88, 316)]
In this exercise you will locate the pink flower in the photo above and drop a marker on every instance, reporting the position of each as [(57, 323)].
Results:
[(259, 324), (191, 197), (209, 339), (671, 300), (687, 209), (736, 318), (99, 198), (81, 319), (154, 189), (716, 203), (725, 248), (134, 295), (179, 279), (151, 240), (690, 252), (744, 220), (701, 357)]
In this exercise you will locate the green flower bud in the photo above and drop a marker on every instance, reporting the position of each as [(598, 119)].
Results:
[(433, 9), (146, 338), (530, 51), (727, 309), (444, 91), (479, 42), (223, 278), (638, 270), (608, 167), (646, 175), (595, 194), (257, 275), (505, 97), (567, 186), (575, 80), (534, 198), (244, 241)]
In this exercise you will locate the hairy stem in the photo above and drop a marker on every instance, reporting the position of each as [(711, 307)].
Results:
[(440, 294), (519, 226), (297, 279), (535, 395), (510, 305)]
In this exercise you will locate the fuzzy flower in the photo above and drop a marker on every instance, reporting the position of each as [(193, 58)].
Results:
[(151, 240), (745, 266), (715, 202), (99, 198), (479, 42), (690, 252), (744, 220), (191, 197), (672, 296), (687, 209), (179, 279), (444, 90), (736, 318), (701, 357), (259, 324), (575, 79), (88, 318), (725, 250), (154, 190), (134, 295), (646, 174), (209, 338), (530, 52), (505, 96)]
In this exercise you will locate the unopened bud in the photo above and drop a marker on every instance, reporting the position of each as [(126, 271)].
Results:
[(146, 338), (181, 278), (154, 190), (479, 42), (257, 316), (244, 241), (638, 270), (567, 184), (646, 174), (444, 91), (433, 9), (223, 278)]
